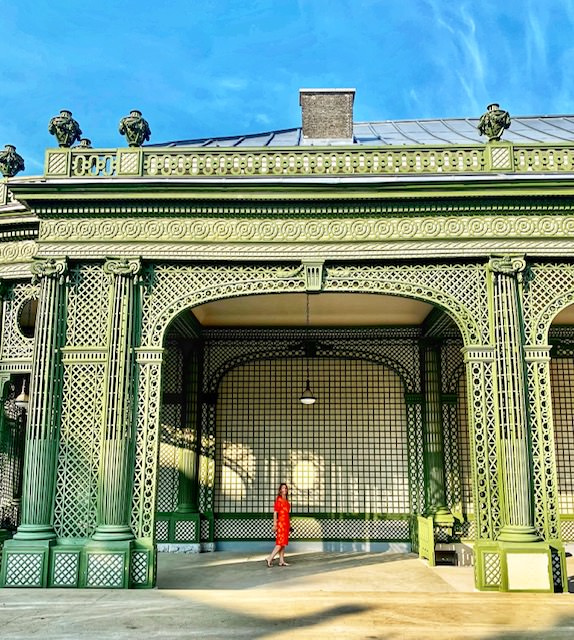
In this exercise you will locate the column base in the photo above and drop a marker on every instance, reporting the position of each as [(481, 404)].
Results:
[(35, 532), (113, 533), (107, 563), (518, 533), (518, 566), (442, 517)]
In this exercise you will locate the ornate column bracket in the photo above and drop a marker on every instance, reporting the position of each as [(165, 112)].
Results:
[(507, 275), (312, 273), (113, 494), (45, 403)]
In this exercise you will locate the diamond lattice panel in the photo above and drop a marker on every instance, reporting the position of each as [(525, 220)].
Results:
[(78, 452), (87, 312), (24, 569), (66, 569), (105, 570)]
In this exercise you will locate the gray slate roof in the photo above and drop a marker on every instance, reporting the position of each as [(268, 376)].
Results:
[(459, 131)]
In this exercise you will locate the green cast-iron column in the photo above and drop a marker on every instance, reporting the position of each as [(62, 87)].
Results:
[(515, 455), (45, 404), (187, 499), (433, 438), (114, 473)]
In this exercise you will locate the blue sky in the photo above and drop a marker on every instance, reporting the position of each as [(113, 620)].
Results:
[(200, 68)]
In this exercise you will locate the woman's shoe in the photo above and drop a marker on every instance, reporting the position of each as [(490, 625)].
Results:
[(269, 562), (283, 564)]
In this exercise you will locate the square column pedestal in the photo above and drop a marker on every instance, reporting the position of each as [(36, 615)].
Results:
[(515, 566)]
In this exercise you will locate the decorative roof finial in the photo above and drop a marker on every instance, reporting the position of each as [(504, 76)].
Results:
[(65, 128), (11, 162), (493, 122), (135, 128)]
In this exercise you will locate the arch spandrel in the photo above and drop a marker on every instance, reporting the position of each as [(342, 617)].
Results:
[(549, 290), (458, 290)]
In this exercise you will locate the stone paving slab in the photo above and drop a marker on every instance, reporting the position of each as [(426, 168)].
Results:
[(347, 596)]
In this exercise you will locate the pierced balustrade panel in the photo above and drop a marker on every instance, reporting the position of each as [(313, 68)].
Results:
[(298, 161)]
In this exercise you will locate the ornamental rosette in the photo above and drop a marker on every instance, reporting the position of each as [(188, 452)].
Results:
[(494, 122), (135, 129), (11, 162), (65, 128)]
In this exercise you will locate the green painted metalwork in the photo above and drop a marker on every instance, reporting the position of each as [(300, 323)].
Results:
[(114, 480), (433, 434), (44, 419), (284, 161), (201, 239), (518, 523)]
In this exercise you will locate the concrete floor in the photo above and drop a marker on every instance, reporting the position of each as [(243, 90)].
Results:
[(320, 595)]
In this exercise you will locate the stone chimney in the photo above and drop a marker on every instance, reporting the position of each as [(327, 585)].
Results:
[(327, 116)]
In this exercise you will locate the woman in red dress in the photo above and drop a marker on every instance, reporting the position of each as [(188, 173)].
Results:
[(280, 525)]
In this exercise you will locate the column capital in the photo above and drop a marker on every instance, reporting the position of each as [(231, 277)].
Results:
[(507, 265), (55, 268), (122, 266)]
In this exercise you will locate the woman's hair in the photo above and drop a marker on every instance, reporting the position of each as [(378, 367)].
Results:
[(283, 484)]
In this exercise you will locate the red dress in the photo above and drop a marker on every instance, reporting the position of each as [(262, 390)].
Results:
[(282, 508)]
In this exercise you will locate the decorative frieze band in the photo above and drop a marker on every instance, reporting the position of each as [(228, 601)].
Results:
[(23, 251), (149, 355), (304, 230), (535, 353), (82, 355)]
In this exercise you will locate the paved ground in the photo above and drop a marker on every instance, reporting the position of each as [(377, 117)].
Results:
[(321, 595)]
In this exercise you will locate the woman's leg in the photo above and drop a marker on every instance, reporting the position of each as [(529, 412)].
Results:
[(282, 562), (273, 554)]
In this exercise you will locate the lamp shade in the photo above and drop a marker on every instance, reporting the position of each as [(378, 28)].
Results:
[(307, 396)]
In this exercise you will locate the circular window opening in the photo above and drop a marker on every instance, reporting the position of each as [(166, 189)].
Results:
[(27, 318)]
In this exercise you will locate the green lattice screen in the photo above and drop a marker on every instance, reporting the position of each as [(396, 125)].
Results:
[(12, 428), (465, 471), (345, 454), (562, 381)]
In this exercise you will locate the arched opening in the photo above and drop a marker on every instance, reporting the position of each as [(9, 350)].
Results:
[(232, 426)]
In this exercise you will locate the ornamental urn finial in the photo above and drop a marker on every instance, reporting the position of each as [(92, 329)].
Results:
[(135, 128), (11, 162), (494, 122), (65, 128), (85, 143)]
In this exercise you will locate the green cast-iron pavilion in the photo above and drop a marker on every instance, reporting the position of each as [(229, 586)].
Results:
[(164, 307)]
